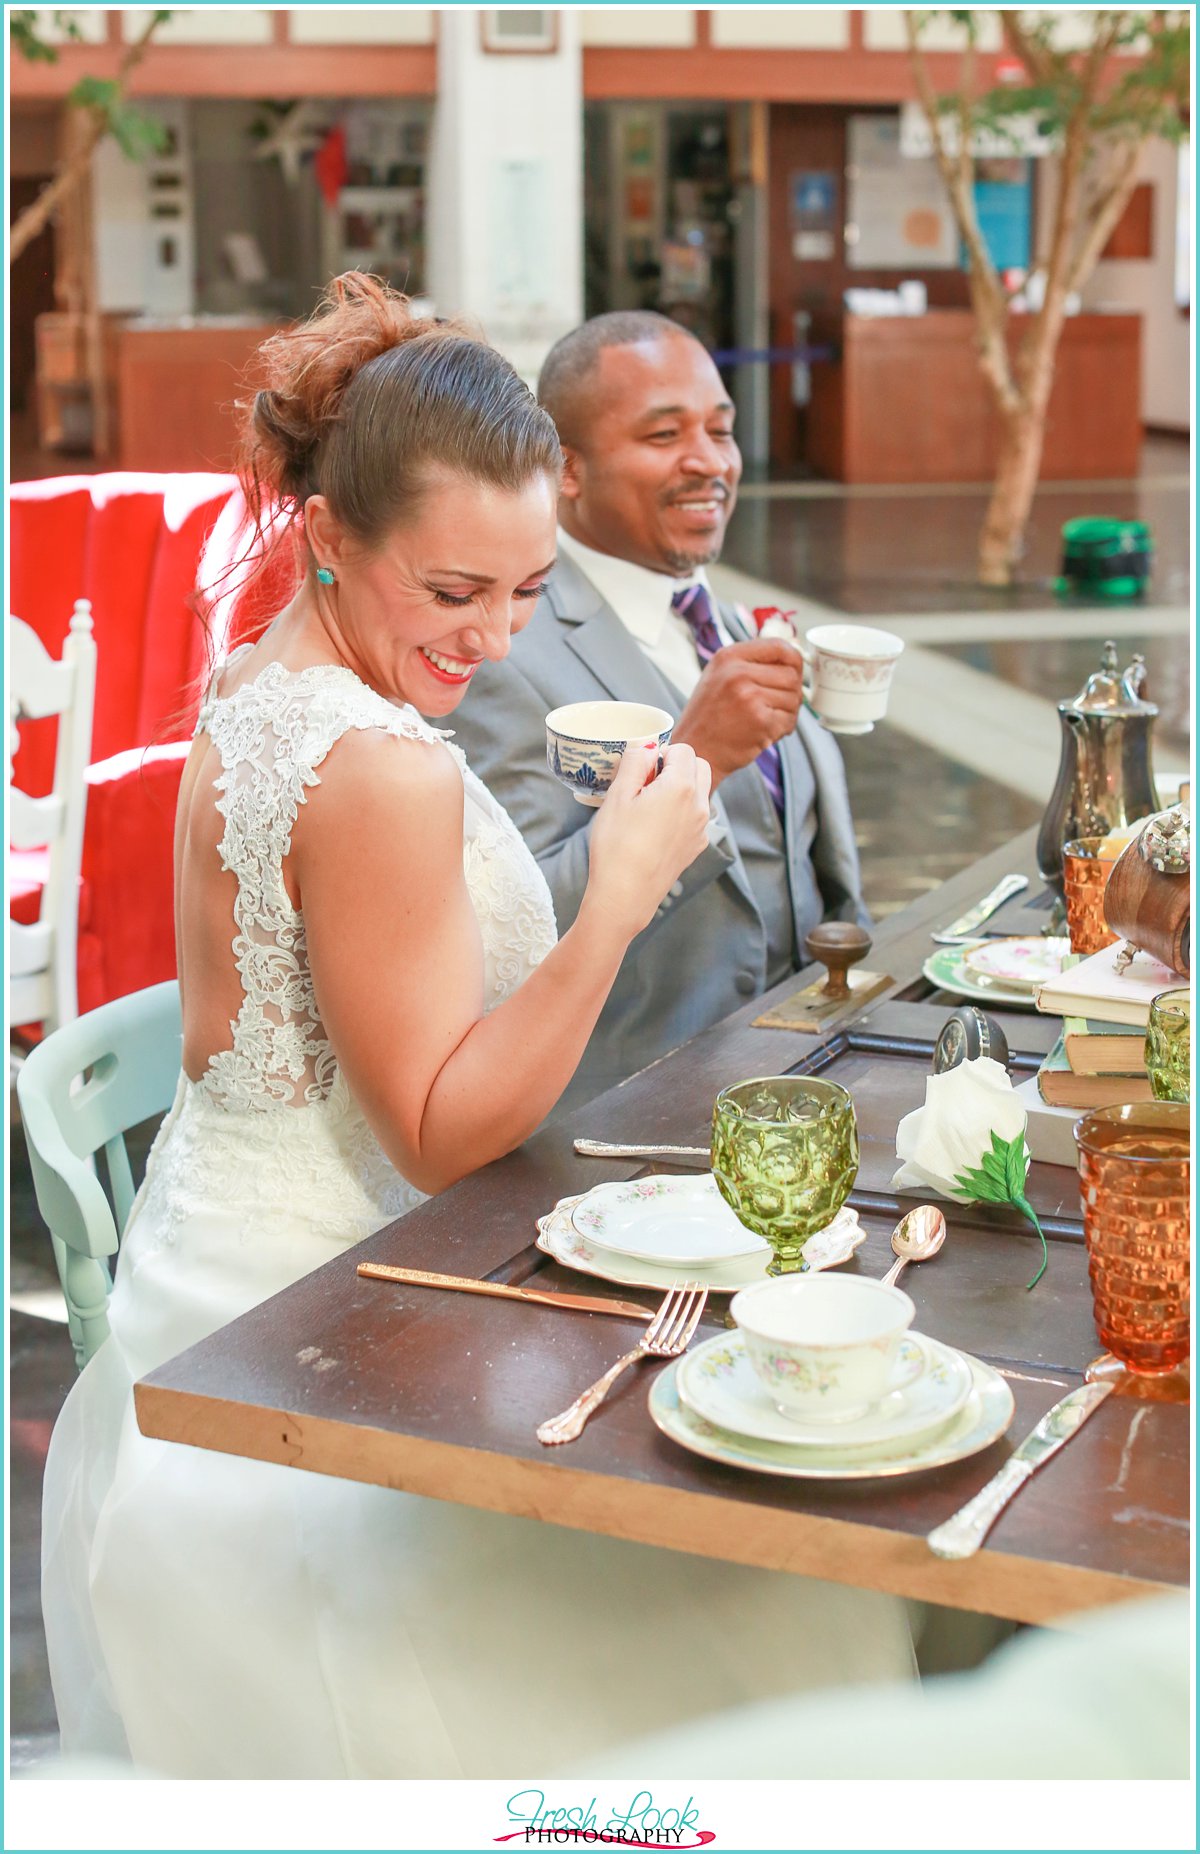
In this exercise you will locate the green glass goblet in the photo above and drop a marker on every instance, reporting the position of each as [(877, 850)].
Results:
[(1169, 1045), (785, 1157)]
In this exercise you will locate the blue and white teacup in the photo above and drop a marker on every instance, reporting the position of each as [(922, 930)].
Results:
[(585, 741)]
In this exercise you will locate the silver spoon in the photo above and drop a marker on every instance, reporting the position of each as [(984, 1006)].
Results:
[(915, 1238)]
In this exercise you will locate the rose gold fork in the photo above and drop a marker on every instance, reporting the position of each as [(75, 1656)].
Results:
[(668, 1334)]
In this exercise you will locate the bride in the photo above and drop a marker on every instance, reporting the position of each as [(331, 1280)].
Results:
[(374, 1004)]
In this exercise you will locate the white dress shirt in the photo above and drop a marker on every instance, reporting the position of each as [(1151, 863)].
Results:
[(642, 601)]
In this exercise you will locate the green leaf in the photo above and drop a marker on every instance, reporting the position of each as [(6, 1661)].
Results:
[(137, 134), (1017, 1164), (22, 31), (95, 93), (978, 1185)]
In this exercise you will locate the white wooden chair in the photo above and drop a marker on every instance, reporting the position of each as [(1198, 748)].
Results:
[(41, 956)]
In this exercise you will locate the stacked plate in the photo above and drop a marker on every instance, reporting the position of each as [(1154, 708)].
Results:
[(653, 1232), (1002, 971), (942, 1406)]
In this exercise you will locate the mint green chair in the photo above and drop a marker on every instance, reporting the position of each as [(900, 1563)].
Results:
[(80, 1092)]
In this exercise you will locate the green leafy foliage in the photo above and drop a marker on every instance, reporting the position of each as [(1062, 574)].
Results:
[(136, 133), (999, 1178), (23, 33), (1149, 95)]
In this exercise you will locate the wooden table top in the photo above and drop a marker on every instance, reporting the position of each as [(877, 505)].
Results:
[(439, 1393)]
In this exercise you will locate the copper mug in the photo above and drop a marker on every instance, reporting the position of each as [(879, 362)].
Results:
[(1085, 878)]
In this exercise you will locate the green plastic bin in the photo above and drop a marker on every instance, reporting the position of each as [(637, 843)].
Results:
[(1104, 559)]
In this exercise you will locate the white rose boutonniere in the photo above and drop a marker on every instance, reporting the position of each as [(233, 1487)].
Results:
[(968, 1142)]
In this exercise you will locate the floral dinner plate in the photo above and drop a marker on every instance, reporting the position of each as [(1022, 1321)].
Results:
[(930, 1384), (680, 1222), (1024, 962), (559, 1239), (948, 970), (983, 1418)]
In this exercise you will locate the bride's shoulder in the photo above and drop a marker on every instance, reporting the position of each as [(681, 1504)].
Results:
[(391, 764), (380, 801)]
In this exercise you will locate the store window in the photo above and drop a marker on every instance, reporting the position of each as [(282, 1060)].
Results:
[(286, 195), (659, 211)]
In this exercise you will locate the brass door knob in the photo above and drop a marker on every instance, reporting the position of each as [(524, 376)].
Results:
[(838, 945)]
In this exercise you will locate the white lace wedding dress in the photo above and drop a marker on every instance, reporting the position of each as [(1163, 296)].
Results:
[(216, 1617)]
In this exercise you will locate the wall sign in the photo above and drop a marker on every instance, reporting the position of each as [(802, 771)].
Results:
[(897, 213), (812, 200)]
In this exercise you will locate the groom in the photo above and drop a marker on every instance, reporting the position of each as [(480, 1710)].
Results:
[(651, 477)]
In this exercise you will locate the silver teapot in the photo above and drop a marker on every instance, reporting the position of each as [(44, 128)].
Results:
[(1105, 777)]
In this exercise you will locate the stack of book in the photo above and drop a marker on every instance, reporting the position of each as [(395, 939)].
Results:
[(1099, 1060), (1095, 1064)]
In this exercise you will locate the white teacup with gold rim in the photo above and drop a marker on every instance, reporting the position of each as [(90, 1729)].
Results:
[(851, 669), (585, 741), (824, 1346)]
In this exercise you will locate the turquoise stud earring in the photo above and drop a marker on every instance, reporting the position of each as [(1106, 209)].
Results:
[(325, 575)]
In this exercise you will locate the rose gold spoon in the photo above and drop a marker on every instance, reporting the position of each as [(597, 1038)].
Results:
[(915, 1238)]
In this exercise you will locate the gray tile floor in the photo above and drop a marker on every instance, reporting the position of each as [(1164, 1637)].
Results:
[(913, 548), (922, 812)]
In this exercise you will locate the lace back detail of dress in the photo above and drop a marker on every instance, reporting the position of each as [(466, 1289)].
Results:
[(272, 735)]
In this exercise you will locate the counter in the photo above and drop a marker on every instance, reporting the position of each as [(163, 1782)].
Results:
[(906, 402), (176, 384)]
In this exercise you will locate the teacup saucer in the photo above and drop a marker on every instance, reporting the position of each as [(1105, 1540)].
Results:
[(983, 1418), (930, 1384)]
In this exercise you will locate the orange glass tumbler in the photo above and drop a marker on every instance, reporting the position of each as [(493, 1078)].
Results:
[(1085, 878), (1135, 1181)]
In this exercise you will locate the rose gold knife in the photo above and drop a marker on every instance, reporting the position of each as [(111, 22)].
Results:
[(578, 1303)]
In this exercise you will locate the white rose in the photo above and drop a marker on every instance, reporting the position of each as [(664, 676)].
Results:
[(951, 1133)]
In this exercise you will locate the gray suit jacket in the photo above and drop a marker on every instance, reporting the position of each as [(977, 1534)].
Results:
[(705, 952)]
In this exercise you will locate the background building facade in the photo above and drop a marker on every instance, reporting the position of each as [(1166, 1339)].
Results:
[(739, 168)]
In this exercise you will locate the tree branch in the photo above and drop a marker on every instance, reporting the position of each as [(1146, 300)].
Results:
[(987, 292), (40, 211), (1038, 59), (1101, 221)]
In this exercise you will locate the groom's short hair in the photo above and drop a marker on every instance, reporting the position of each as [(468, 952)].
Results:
[(570, 367)]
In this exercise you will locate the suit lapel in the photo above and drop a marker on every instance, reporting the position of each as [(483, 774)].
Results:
[(593, 631)]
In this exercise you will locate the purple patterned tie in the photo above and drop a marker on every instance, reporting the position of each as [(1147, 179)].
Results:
[(695, 604)]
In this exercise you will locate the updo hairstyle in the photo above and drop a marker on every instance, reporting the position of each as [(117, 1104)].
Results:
[(364, 403)]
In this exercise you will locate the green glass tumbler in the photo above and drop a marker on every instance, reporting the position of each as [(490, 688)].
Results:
[(785, 1157), (1169, 1045)]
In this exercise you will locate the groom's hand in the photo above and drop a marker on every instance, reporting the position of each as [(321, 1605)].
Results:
[(748, 698)]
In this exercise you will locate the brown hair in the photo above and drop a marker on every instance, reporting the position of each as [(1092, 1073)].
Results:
[(362, 403)]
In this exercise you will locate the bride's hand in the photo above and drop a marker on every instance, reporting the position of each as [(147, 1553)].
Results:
[(646, 833)]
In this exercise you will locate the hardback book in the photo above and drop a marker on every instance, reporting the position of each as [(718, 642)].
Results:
[(1094, 989), (1049, 1131), (1093, 1047), (1060, 1086)]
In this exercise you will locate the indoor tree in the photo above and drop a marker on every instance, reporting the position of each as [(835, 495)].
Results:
[(1096, 106), (99, 107)]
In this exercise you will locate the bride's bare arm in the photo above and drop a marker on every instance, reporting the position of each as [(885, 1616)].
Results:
[(397, 960)]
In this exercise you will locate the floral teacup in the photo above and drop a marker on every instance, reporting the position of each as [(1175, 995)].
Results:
[(825, 1346), (585, 741), (852, 668)]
